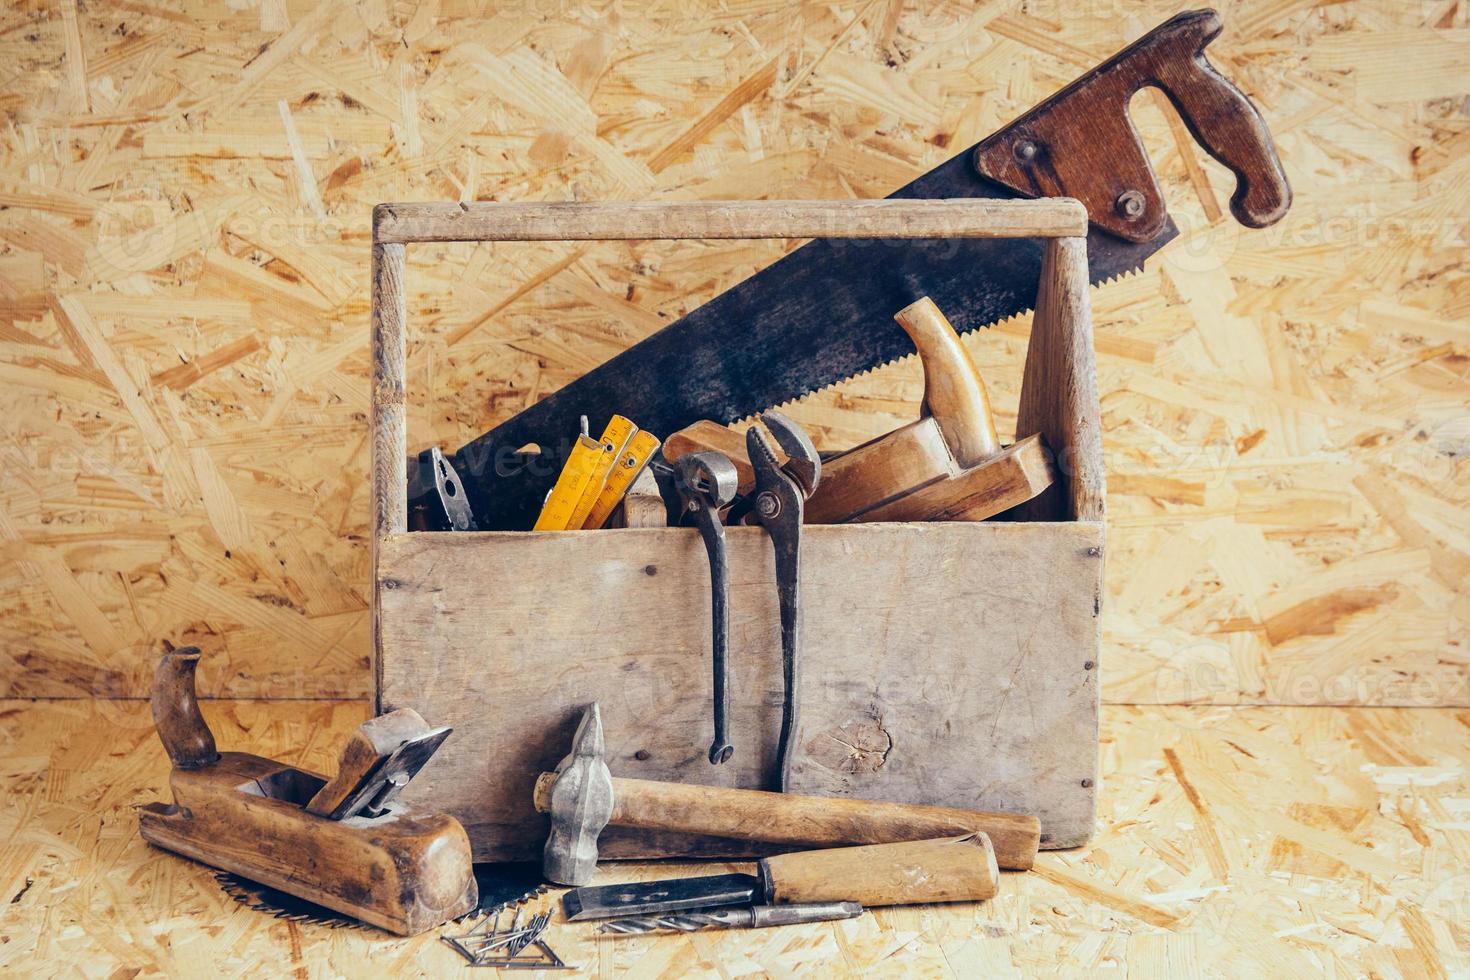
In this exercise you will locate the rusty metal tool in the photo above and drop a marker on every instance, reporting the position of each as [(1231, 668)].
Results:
[(781, 490), (751, 917), (583, 797), (706, 483), (447, 508), (580, 804), (488, 945)]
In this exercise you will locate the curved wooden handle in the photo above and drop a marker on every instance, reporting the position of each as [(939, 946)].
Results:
[(951, 869), (1223, 120), (954, 393), (1080, 143), (181, 728)]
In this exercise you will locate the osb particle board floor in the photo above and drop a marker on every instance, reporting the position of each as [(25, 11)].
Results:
[(1233, 841)]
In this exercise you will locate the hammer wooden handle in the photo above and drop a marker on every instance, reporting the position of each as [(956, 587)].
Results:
[(785, 818), (952, 869)]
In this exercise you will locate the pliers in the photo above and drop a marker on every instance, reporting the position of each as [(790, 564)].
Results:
[(777, 504)]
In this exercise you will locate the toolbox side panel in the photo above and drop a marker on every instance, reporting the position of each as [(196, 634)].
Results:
[(945, 663)]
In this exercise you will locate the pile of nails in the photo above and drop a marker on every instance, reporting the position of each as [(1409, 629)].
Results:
[(488, 945)]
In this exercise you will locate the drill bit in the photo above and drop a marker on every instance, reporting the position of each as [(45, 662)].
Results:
[(750, 917)]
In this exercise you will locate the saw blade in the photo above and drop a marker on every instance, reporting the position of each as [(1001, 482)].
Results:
[(501, 886), (818, 316)]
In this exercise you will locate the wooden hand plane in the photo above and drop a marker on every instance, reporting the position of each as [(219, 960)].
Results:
[(948, 465), (346, 843)]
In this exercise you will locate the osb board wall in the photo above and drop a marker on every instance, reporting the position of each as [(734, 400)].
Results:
[(183, 278)]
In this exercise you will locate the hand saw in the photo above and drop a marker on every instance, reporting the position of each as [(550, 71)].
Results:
[(822, 314)]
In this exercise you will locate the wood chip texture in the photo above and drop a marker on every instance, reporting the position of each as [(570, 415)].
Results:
[(185, 198), (1233, 842)]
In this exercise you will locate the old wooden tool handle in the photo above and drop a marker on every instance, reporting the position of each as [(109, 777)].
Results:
[(1220, 117), (951, 869), (181, 728), (786, 818), (1080, 143), (954, 393)]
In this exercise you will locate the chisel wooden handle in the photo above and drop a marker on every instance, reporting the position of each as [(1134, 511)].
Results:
[(952, 869), (785, 818)]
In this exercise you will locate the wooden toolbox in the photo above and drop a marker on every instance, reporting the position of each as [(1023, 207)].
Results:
[(945, 663)]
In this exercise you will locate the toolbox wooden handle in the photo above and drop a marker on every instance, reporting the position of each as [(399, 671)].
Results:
[(1059, 397), (952, 869), (756, 815), (396, 225)]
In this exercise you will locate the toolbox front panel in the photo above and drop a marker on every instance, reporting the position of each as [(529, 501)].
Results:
[(944, 663)]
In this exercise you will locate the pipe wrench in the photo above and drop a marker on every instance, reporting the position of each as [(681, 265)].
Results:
[(706, 482), (777, 504)]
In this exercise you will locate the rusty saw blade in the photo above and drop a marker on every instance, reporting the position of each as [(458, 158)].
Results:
[(823, 313), (500, 886)]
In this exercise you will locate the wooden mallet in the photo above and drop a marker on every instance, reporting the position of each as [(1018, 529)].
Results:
[(583, 797)]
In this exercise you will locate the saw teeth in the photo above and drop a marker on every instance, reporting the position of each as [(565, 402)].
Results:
[(273, 902), (278, 904), (1095, 283)]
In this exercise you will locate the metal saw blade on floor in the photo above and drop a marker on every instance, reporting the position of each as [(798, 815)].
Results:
[(501, 886)]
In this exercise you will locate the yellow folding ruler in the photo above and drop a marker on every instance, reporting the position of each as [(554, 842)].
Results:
[(614, 438), (639, 450), (596, 476), (586, 456)]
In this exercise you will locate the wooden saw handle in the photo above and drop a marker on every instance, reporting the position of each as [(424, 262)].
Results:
[(952, 869), (816, 821), (1080, 143)]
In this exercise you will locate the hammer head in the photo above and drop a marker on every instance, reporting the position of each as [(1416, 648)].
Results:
[(581, 805)]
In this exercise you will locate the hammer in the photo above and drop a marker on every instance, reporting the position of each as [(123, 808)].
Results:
[(582, 797)]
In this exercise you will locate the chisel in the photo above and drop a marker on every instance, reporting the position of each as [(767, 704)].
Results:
[(950, 869)]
